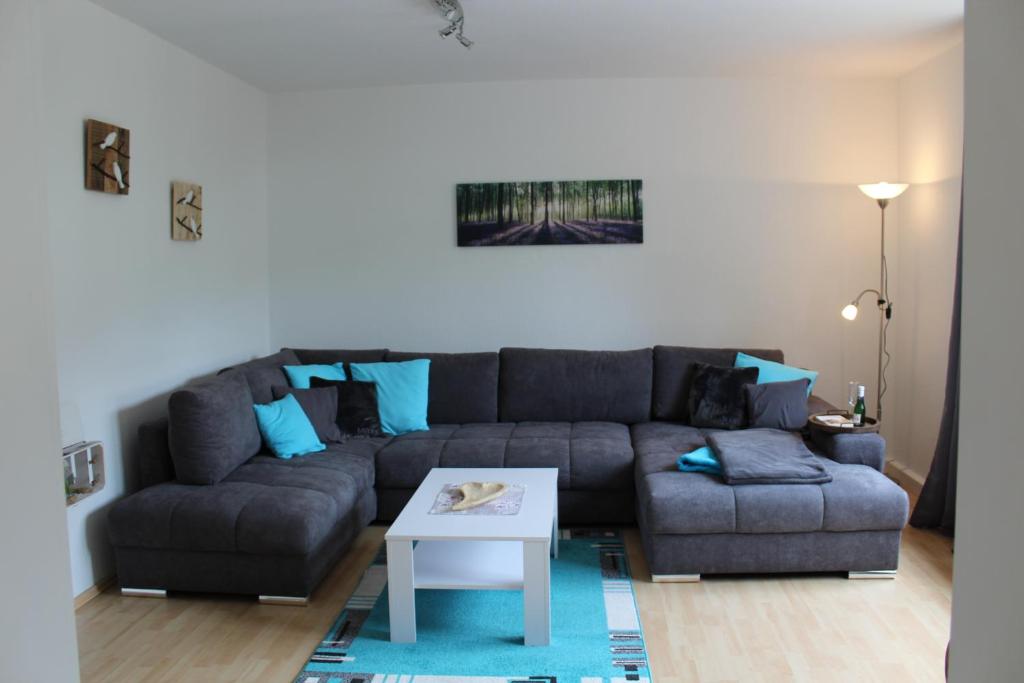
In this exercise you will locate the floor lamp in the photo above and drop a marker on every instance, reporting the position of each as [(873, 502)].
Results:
[(882, 193)]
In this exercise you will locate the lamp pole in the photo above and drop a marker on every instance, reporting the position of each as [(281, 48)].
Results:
[(882, 193), (884, 309)]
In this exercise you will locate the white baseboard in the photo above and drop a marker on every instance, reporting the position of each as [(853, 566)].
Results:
[(906, 477)]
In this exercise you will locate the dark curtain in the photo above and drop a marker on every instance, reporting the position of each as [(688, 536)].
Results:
[(936, 507)]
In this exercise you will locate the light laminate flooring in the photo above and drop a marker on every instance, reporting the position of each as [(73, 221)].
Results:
[(764, 628)]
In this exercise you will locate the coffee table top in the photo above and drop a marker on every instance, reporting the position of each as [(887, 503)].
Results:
[(532, 523)]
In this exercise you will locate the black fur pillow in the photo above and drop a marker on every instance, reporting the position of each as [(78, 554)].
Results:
[(717, 398), (358, 414)]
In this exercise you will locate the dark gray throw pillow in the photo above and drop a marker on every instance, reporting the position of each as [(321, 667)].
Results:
[(716, 396), (777, 405), (357, 414), (320, 406)]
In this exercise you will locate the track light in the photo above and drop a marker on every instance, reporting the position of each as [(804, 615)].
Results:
[(451, 10)]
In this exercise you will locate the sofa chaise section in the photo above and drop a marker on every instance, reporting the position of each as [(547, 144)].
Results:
[(217, 515), (693, 524), (271, 528)]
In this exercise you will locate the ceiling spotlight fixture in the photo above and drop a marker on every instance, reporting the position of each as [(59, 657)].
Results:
[(451, 10)]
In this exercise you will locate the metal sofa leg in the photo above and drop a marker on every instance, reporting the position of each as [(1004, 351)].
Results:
[(675, 578), (144, 592), (291, 600), (875, 574)]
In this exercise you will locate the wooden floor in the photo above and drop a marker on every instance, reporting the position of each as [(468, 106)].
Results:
[(821, 628)]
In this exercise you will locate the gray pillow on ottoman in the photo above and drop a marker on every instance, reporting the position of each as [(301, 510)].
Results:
[(320, 406), (716, 396), (777, 405)]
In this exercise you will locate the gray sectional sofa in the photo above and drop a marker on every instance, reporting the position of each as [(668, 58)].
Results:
[(215, 514)]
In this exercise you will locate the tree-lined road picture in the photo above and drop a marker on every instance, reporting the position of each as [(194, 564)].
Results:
[(551, 212)]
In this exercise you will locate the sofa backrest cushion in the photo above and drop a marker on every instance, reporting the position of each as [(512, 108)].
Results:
[(331, 356), (155, 464), (673, 375), (263, 374), (463, 386), (575, 386), (212, 428)]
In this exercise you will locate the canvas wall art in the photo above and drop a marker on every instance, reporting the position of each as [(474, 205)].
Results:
[(107, 157), (550, 212), (186, 212)]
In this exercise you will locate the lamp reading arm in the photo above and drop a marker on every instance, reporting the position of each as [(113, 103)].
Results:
[(881, 300)]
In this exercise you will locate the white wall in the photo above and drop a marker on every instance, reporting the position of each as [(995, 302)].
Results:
[(931, 154), (988, 600), (139, 314), (755, 233), (37, 636)]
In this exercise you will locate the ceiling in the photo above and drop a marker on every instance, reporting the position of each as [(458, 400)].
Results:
[(288, 45)]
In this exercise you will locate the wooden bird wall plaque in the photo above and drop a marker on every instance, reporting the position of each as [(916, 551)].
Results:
[(186, 211), (107, 157)]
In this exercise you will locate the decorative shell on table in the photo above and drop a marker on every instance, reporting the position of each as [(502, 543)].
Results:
[(475, 493)]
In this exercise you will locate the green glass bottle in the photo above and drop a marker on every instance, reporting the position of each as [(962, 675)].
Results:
[(859, 410)]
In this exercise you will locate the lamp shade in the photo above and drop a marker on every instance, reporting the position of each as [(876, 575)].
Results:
[(850, 311), (883, 190)]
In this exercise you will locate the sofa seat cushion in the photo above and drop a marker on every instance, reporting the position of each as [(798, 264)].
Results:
[(658, 445), (265, 507), (857, 499), (861, 498), (354, 457), (594, 456)]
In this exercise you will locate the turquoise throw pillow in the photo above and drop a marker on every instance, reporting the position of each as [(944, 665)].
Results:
[(401, 393), (299, 375), (771, 371), (286, 429)]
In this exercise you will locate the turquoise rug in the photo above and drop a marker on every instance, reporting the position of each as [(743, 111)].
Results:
[(477, 636)]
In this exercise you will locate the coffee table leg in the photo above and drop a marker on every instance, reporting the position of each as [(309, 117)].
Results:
[(401, 592), (554, 531), (537, 592)]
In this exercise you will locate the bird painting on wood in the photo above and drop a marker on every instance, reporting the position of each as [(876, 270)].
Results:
[(107, 157), (186, 212)]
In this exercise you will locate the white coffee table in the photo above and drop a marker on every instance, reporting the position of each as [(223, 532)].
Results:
[(475, 552)]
